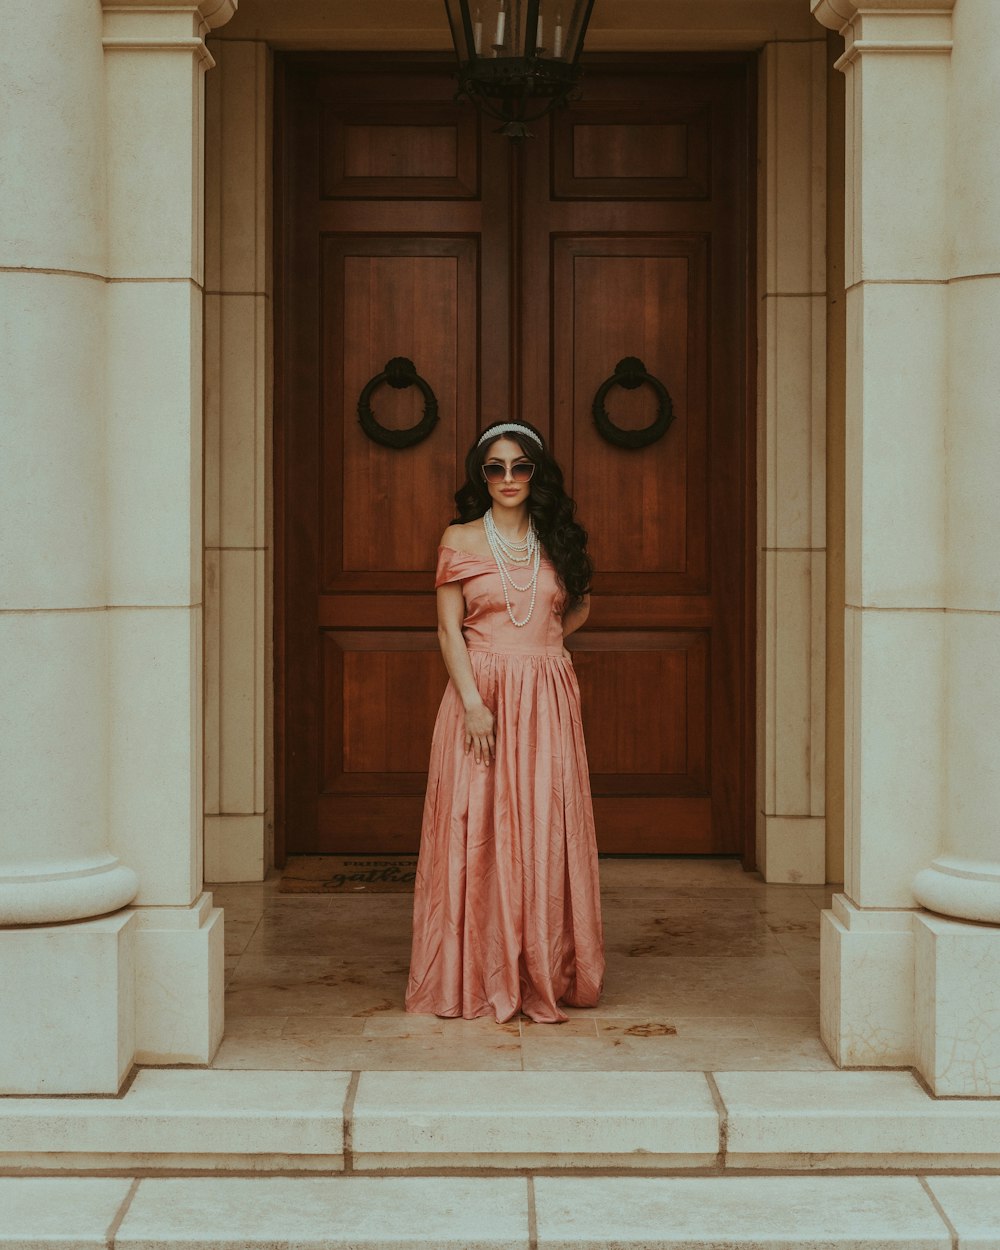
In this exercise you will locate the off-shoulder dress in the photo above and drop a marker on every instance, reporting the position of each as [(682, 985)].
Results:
[(507, 913)]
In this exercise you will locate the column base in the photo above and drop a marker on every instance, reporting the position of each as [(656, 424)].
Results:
[(866, 986), (180, 983), (957, 1009), (67, 1022), (966, 888), (83, 889), (80, 1003), (907, 988)]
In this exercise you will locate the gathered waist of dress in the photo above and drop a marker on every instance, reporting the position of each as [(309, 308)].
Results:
[(553, 650)]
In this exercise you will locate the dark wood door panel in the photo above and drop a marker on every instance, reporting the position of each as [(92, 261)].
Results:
[(643, 297), (515, 279), (645, 697), (386, 686), (627, 151), (386, 296), (371, 152)]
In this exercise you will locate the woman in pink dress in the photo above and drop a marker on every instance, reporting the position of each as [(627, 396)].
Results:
[(507, 913)]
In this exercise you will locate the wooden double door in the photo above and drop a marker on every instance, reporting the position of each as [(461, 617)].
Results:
[(515, 279)]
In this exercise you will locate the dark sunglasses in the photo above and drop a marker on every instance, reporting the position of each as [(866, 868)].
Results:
[(495, 473)]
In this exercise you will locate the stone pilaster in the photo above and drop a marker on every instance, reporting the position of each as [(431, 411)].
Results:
[(791, 834), (238, 571), (155, 63)]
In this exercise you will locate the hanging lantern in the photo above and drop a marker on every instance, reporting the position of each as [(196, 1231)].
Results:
[(517, 59)]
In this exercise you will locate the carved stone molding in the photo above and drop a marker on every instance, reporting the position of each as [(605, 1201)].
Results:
[(836, 14), (164, 25), (887, 26), (210, 13)]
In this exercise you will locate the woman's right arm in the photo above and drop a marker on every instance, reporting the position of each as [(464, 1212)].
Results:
[(479, 736)]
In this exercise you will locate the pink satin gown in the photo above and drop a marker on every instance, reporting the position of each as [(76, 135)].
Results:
[(507, 911)]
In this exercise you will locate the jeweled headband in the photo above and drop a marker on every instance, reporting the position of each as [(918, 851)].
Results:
[(508, 427)]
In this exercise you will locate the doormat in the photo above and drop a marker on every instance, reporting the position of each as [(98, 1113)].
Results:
[(349, 874)]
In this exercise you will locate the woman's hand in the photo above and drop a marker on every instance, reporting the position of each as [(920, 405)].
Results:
[(479, 736)]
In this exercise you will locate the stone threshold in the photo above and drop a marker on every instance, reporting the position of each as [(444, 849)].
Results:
[(502, 1213), (203, 1120)]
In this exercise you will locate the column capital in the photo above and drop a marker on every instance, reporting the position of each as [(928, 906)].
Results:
[(210, 13), (164, 25), (836, 14), (887, 26)]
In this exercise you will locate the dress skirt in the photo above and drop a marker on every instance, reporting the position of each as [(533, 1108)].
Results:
[(507, 900)]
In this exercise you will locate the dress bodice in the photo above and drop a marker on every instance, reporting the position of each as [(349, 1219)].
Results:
[(487, 625)]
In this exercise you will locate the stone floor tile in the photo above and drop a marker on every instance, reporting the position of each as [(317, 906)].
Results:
[(787, 1026), (853, 1119), (411, 1024), (823, 894), (799, 945), (667, 931), (810, 974), (524, 1118), (578, 1026), (74, 1212), (345, 933), (682, 1213), (255, 1026), (363, 1213), (238, 933), (668, 872), (681, 897), (321, 1028), (692, 986), (688, 901), (281, 985), (691, 1028), (347, 1053), (675, 1054), (972, 1204), (802, 916)]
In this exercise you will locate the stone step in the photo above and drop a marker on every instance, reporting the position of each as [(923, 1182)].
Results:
[(501, 1213), (172, 1121)]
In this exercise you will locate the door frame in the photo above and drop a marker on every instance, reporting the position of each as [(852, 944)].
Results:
[(749, 502)]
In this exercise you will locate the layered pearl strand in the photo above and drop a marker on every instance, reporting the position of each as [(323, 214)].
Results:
[(505, 552)]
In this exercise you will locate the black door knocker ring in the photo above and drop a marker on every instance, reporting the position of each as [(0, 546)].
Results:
[(399, 373), (629, 374)]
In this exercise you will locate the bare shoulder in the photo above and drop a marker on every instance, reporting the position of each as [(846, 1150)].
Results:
[(470, 537)]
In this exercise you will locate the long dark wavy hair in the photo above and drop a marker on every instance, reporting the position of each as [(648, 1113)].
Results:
[(551, 509)]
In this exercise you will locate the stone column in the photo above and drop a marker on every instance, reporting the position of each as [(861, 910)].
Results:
[(957, 1018), (922, 632), (101, 592), (57, 860)]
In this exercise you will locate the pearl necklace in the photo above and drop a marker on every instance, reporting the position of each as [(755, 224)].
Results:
[(506, 551)]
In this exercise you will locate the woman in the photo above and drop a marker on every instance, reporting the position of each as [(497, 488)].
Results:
[(507, 913)]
